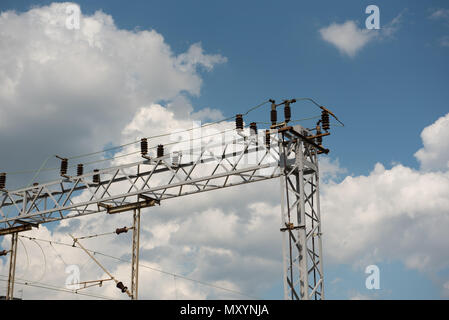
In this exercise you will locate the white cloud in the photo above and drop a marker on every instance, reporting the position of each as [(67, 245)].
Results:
[(397, 214), (224, 237), (435, 153), (229, 238), (349, 39), (71, 91)]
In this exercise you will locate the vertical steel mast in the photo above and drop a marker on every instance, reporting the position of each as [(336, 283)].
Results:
[(301, 220), (135, 259), (289, 153), (12, 266)]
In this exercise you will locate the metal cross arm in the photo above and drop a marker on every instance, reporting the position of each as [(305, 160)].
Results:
[(244, 159)]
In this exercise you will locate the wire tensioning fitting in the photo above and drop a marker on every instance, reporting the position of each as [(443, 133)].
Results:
[(96, 177), (2, 180), (239, 122), (160, 150), (80, 169), (144, 146)]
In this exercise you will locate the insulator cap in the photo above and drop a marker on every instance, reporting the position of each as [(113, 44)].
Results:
[(160, 150), (319, 140), (2, 180), (325, 120), (274, 116), (121, 230), (239, 122), (64, 166), (96, 177), (287, 112), (79, 169), (267, 139), (144, 146), (253, 128), (121, 286)]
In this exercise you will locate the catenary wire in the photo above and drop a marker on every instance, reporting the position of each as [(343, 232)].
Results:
[(54, 288), (147, 267)]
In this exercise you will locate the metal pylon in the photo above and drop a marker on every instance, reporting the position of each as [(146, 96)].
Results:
[(135, 260), (12, 266), (301, 221)]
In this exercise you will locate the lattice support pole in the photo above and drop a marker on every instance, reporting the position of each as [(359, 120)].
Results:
[(301, 221), (12, 266), (135, 255)]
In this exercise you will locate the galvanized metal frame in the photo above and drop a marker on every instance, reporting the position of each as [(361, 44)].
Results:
[(291, 156), (301, 220), (155, 178)]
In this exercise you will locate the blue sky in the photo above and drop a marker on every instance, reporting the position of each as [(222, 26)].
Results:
[(389, 92), (386, 93)]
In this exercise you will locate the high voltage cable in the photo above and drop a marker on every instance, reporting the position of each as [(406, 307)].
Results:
[(28, 258), (152, 137), (147, 267), (291, 121), (166, 134), (45, 261), (54, 288), (122, 156), (319, 106)]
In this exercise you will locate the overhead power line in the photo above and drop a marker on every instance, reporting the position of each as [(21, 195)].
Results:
[(145, 266), (286, 151), (41, 285)]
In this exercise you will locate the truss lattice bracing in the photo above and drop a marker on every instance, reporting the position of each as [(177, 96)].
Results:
[(135, 254), (215, 165), (301, 221), (12, 267)]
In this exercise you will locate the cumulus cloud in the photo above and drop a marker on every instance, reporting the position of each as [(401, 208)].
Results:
[(397, 214), (349, 39), (68, 91), (229, 239), (435, 152), (379, 216)]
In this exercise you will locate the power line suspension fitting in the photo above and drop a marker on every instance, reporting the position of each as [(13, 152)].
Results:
[(144, 146), (96, 176), (274, 113), (160, 150), (80, 169), (2, 180), (325, 120)]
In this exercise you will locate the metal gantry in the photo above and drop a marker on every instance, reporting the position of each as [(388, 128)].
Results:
[(291, 155), (301, 220), (135, 254)]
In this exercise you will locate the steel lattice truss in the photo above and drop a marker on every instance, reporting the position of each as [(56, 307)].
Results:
[(301, 221), (244, 159)]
